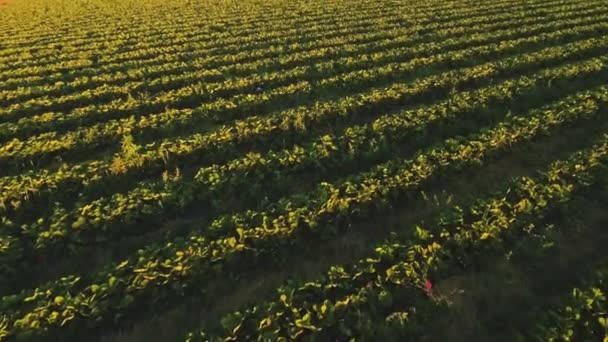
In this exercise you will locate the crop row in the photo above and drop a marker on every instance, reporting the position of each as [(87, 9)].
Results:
[(584, 316), (87, 102), (23, 186), (173, 97), (162, 55), (241, 45), (191, 29), (238, 97), (389, 285), (150, 202), (166, 270), (266, 173), (149, 34), (86, 138)]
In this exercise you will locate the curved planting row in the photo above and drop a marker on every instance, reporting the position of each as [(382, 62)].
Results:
[(168, 269), (155, 156), (391, 288), (248, 42), (276, 90), (358, 32), (150, 203), (179, 91)]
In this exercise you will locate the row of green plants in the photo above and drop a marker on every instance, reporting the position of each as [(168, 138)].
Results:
[(193, 86), (334, 153), (197, 58), (226, 43), (334, 205), (584, 315), (390, 95), (176, 36), (161, 272), (390, 292), (151, 203), (250, 26), (69, 180), (131, 155), (175, 119), (328, 39)]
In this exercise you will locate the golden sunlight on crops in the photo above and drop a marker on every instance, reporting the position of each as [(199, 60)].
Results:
[(311, 170)]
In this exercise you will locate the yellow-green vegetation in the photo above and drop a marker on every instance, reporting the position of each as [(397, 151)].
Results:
[(211, 170)]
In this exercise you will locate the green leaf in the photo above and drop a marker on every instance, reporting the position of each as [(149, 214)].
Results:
[(59, 300), (122, 265)]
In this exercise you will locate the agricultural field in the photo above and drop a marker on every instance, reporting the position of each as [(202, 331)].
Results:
[(312, 170)]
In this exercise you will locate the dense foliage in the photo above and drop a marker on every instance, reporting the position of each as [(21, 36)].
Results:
[(157, 156)]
